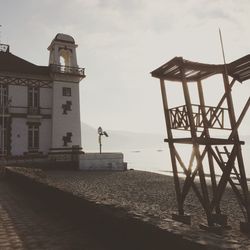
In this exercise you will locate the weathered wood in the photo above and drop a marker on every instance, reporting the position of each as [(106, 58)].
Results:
[(189, 181), (237, 146), (243, 113), (220, 103), (171, 148), (196, 148), (224, 179), (204, 141), (207, 136), (190, 117)]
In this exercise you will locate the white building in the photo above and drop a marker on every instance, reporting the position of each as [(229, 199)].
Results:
[(39, 105)]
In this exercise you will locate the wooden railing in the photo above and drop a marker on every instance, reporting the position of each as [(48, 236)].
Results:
[(216, 120)]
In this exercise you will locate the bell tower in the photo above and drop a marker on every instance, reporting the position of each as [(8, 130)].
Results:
[(63, 51), (66, 76)]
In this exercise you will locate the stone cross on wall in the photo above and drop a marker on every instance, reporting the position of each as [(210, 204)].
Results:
[(67, 139), (66, 107)]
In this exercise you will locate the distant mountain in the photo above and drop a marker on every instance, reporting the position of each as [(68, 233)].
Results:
[(120, 140), (124, 140)]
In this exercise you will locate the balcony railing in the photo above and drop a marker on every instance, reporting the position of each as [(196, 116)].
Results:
[(4, 110), (67, 70), (33, 111), (214, 118)]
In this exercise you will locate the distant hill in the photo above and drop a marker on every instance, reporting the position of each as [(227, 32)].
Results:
[(120, 140), (124, 140)]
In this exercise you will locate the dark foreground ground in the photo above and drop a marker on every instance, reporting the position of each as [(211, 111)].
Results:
[(35, 218), (110, 210), (27, 222)]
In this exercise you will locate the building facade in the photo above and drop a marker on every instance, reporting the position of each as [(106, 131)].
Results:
[(39, 105)]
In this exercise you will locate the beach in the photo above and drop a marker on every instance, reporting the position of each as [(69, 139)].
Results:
[(150, 197)]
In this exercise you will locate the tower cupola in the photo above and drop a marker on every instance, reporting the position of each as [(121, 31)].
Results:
[(63, 51)]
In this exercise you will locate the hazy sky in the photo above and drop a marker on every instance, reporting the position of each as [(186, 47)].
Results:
[(122, 41)]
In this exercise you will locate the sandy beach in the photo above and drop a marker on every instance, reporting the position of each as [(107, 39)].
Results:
[(146, 194), (150, 197)]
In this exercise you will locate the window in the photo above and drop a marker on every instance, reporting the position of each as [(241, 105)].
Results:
[(33, 97), (33, 137), (66, 91), (33, 100), (3, 94), (3, 139)]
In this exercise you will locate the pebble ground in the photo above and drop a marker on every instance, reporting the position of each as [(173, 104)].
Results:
[(28, 223), (152, 197)]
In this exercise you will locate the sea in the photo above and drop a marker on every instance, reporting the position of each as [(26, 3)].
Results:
[(158, 160)]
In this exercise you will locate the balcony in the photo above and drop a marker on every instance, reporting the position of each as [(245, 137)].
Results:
[(67, 70), (4, 110), (215, 118), (33, 111)]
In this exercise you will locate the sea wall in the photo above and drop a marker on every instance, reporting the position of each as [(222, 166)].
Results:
[(104, 161)]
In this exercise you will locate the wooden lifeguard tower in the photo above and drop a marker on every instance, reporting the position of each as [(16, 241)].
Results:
[(197, 121)]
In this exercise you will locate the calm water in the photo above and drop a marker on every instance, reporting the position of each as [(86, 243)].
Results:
[(158, 160)]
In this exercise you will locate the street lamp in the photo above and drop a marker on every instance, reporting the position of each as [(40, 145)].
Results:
[(101, 133)]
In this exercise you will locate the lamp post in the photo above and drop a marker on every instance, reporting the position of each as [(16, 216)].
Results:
[(101, 133)]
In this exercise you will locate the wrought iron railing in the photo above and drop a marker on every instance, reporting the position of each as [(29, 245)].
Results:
[(67, 70), (33, 111), (214, 117), (4, 110)]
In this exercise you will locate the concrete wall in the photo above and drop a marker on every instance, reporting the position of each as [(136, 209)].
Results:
[(104, 161), (18, 95), (65, 123), (19, 138), (46, 100), (45, 136)]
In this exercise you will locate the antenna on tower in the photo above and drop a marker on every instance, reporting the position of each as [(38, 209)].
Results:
[(222, 47), (223, 54)]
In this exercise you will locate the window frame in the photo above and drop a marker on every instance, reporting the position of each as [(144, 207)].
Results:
[(33, 97), (33, 137), (66, 91)]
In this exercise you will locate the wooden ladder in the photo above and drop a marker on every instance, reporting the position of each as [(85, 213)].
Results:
[(234, 178)]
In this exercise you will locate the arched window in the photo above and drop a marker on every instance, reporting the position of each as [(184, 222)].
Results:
[(65, 59)]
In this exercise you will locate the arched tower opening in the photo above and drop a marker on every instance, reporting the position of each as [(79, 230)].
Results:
[(63, 51)]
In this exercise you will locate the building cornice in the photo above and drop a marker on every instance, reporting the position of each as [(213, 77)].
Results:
[(25, 80)]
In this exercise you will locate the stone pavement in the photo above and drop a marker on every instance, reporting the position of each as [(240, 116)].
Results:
[(28, 223)]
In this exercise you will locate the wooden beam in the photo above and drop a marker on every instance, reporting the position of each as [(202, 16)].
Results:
[(220, 103), (171, 147), (189, 181), (243, 113), (207, 136), (204, 141), (224, 179), (237, 145), (236, 191), (196, 148)]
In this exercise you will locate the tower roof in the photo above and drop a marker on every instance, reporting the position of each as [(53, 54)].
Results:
[(64, 38)]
